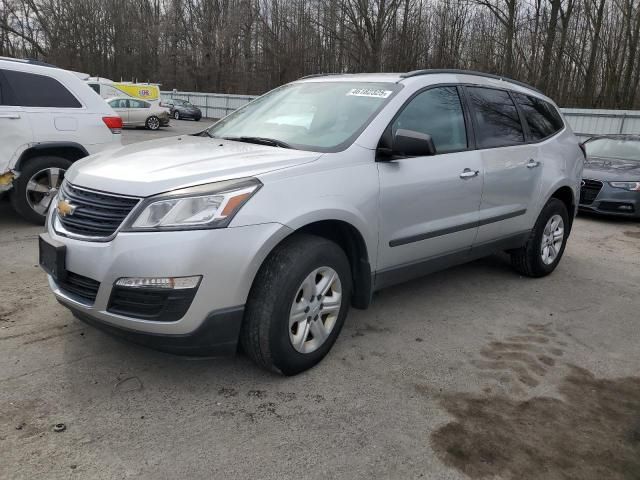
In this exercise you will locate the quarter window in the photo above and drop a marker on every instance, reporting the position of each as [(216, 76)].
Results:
[(31, 90), (436, 112), (542, 118), (496, 118)]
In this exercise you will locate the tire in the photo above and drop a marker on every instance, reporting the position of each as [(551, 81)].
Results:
[(267, 333), (29, 202), (529, 260), (197, 119), (176, 115), (152, 123)]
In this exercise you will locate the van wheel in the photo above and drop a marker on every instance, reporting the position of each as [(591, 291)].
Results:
[(297, 305), (543, 251), (153, 123), (37, 185)]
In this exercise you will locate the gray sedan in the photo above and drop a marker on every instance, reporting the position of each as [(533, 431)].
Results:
[(138, 113), (611, 177)]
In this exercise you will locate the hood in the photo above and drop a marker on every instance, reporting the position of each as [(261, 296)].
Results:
[(157, 166), (611, 169)]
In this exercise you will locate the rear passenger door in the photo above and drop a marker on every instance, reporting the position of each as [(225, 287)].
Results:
[(429, 205), (121, 107), (512, 172), (138, 111)]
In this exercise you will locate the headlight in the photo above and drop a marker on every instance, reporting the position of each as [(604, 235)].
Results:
[(632, 186), (205, 206)]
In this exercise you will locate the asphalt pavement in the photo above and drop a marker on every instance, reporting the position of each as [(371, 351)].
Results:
[(474, 372)]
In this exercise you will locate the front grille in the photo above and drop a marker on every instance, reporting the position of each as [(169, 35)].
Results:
[(96, 214), (81, 286), (162, 305), (589, 191)]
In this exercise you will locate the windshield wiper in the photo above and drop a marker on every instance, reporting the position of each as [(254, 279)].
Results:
[(260, 141)]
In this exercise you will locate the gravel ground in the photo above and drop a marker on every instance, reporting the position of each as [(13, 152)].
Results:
[(474, 372)]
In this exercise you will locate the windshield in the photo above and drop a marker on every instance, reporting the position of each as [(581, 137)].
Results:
[(323, 117), (624, 149)]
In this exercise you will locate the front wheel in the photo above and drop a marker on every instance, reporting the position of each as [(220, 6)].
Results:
[(176, 115), (297, 305), (37, 185), (153, 123), (543, 251)]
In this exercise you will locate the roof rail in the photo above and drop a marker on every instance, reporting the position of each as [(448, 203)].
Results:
[(30, 61), (433, 71), (319, 75)]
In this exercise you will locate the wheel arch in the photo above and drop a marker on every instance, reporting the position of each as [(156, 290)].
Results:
[(69, 150), (350, 239), (566, 195)]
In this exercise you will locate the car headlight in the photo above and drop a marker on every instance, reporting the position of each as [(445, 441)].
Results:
[(204, 206), (632, 186)]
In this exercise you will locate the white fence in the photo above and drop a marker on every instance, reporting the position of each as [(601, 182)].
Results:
[(584, 122)]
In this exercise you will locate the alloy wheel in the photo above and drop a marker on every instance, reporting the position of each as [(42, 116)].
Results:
[(315, 310), (42, 188), (552, 238)]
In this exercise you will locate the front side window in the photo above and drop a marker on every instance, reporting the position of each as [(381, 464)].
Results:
[(496, 118), (542, 118), (436, 112), (316, 116), (31, 90)]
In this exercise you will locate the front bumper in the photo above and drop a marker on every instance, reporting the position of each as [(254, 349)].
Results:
[(227, 259), (609, 201)]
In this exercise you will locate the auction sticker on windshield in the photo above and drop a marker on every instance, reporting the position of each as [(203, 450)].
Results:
[(369, 92)]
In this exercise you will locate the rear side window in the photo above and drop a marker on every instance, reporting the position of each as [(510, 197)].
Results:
[(436, 112), (496, 118), (542, 118), (138, 104), (31, 90)]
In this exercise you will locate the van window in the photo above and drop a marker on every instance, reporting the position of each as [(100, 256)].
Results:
[(542, 118), (496, 118), (31, 90), (436, 112)]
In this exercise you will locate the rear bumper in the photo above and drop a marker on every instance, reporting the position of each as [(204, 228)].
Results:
[(216, 336)]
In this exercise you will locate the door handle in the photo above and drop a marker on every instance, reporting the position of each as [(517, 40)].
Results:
[(468, 173), (12, 116), (532, 163)]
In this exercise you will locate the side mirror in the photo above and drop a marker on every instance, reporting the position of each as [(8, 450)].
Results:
[(405, 143)]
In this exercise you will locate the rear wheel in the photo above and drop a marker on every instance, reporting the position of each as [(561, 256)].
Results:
[(176, 115), (297, 305), (37, 185), (543, 251), (153, 123)]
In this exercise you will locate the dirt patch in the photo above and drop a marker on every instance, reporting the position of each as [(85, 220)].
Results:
[(632, 234), (591, 433)]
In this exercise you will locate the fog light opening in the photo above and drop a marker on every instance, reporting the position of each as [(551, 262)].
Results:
[(172, 283)]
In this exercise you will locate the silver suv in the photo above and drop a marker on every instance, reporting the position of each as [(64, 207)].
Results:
[(265, 228)]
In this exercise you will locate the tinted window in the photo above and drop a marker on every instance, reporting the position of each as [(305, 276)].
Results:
[(436, 112), (32, 90), (95, 87), (496, 118), (542, 118)]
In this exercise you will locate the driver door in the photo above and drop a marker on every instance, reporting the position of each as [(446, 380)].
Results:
[(429, 205)]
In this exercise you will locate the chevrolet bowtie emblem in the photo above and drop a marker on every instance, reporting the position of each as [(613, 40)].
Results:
[(65, 208)]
